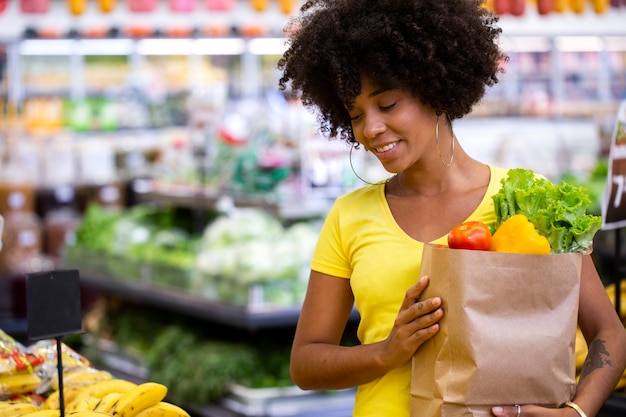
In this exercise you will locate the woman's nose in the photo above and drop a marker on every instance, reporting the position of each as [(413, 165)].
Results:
[(373, 125)]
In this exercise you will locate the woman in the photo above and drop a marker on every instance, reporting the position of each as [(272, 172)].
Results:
[(390, 76)]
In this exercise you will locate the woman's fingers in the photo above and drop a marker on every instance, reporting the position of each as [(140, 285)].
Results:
[(415, 291), (507, 411)]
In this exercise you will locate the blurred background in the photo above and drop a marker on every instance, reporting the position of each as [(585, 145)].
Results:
[(146, 143)]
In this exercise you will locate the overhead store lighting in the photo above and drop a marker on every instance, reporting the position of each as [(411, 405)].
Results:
[(218, 46), (615, 43), (579, 43), (47, 47), (105, 47), (267, 46), (530, 44), (164, 46)]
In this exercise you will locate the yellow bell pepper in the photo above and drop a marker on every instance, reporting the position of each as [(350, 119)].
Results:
[(518, 235)]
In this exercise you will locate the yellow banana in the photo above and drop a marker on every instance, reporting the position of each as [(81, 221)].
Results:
[(87, 413), (43, 413), (621, 384), (163, 409), (102, 388), (581, 349), (107, 402), (138, 399), (84, 404), (18, 409), (610, 291), (81, 378), (21, 383), (69, 394)]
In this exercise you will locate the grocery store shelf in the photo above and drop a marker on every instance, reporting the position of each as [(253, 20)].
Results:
[(287, 210), (194, 306)]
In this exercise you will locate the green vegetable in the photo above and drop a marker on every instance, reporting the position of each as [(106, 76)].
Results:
[(97, 228), (558, 211)]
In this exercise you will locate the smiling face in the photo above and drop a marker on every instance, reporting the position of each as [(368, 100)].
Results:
[(394, 125)]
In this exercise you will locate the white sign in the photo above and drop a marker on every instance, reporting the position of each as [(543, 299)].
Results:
[(614, 198)]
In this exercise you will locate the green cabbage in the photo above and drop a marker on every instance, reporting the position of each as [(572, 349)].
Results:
[(558, 211)]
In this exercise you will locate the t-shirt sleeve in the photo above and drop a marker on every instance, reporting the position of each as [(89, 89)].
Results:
[(330, 255)]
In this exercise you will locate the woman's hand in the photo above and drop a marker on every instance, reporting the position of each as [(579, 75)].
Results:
[(417, 321), (531, 411)]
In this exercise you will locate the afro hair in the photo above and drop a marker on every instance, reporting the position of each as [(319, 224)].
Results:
[(445, 52)]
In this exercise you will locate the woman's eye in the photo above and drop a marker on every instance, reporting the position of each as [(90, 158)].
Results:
[(389, 107), (353, 118)]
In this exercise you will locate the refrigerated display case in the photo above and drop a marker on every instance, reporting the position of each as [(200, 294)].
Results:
[(560, 76), (3, 86), (616, 63)]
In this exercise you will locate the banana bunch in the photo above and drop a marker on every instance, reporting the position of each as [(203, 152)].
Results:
[(16, 408), (81, 377), (19, 383), (107, 397)]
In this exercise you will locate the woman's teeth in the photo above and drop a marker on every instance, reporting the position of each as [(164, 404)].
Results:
[(386, 147)]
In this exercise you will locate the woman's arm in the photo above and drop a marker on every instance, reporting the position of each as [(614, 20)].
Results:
[(318, 361), (606, 338)]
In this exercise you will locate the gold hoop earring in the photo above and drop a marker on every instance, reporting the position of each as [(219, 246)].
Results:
[(356, 145), (352, 166), (437, 141)]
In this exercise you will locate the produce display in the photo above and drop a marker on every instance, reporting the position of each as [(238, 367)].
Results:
[(29, 386), (210, 362), (247, 258), (251, 259)]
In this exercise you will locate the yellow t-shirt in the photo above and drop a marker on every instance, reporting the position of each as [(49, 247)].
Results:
[(362, 242)]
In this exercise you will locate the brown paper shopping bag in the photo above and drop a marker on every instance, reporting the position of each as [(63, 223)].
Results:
[(508, 334)]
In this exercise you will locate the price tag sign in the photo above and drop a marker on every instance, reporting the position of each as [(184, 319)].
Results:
[(53, 304), (614, 198)]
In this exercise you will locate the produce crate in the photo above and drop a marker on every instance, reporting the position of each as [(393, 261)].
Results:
[(287, 401), (170, 277), (254, 296), (128, 270), (86, 259)]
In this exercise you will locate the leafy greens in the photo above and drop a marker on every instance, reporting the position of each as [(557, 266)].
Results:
[(558, 211)]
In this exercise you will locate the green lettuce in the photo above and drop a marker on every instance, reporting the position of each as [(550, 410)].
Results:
[(558, 211)]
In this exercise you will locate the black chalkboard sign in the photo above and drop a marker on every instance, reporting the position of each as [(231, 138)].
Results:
[(53, 304)]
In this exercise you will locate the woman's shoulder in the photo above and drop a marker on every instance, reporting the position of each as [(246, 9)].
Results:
[(361, 194), (498, 173)]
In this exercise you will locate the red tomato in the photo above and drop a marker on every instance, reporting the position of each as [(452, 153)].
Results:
[(470, 235)]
